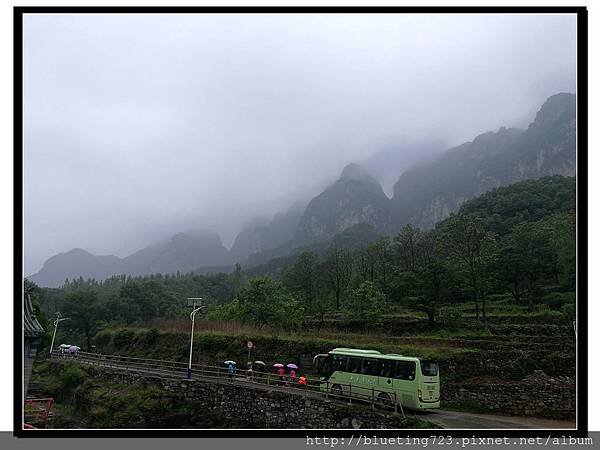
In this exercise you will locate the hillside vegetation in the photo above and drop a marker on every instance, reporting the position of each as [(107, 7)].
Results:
[(504, 265)]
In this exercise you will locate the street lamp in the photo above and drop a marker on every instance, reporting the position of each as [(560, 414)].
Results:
[(193, 301), (58, 319)]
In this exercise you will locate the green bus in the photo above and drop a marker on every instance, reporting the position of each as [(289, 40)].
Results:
[(411, 382)]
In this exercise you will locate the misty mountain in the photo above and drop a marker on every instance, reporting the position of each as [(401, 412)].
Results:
[(500, 209), (261, 236), (273, 262), (387, 163), (355, 206), (183, 252), (355, 198), (428, 193), (74, 263)]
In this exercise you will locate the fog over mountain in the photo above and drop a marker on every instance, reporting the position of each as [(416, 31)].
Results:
[(140, 127)]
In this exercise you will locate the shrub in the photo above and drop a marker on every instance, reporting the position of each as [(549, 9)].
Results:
[(556, 300), (450, 317), (123, 337), (103, 339), (148, 337), (568, 311)]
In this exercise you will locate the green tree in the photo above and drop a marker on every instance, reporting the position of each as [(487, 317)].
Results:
[(366, 304), (526, 257), (145, 296), (265, 303), (433, 282), (562, 228), (237, 278), (473, 249), (408, 247), (382, 249), (337, 271), (365, 262), (81, 306), (302, 279)]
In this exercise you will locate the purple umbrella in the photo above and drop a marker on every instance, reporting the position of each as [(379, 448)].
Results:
[(292, 366), (72, 349), (277, 365)]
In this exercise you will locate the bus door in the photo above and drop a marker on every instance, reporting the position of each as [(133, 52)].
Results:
[(386, 376), (370, 380), (405, 383), (355, 376), (323, 365)]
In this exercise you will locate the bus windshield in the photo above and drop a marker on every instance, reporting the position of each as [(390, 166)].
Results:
[(429, 368)]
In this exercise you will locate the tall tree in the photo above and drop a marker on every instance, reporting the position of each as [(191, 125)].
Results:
[(428, 281), (301, 278), (382, 249), (237, 278), (81, 306), (337, 270), (407, 246), (366, 304), (264, 302), (472, 247), (562, 228), (526, 257)]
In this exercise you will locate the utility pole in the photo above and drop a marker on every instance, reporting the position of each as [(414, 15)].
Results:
[(58, 319), (192, 301)]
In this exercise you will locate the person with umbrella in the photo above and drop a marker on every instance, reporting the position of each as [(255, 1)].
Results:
[(259, 367), (292, 368), (280, 372), (62, 349), (230, 370)]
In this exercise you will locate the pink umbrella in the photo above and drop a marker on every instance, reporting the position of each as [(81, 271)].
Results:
[(277, 365)]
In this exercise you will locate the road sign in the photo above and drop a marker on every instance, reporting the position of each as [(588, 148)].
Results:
[(250, 344), (193, 301)]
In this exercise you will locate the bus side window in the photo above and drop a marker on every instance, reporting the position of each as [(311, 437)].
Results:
[(339, 363), (354, 364), (405, 370), (385, 368), (369, 366)]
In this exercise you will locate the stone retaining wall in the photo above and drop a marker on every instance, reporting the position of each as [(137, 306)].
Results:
[(246, 407), (537, 395)]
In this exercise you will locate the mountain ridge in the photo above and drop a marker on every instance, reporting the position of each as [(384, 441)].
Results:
[(423, 195)]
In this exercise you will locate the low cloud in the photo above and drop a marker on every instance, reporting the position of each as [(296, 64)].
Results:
[(139, 126)]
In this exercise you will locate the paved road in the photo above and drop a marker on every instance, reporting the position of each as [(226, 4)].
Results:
[(458, 419)]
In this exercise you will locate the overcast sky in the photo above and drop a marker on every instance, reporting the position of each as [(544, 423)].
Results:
[(140, 126)]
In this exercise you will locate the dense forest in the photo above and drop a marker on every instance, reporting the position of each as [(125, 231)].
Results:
[(516, 241)]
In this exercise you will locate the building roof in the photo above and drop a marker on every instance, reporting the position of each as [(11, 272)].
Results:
[(31, 326)]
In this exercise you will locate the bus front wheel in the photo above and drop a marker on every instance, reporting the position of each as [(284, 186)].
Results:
[(336, 390)]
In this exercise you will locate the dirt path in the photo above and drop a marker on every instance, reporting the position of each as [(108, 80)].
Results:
[(458, 420)]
